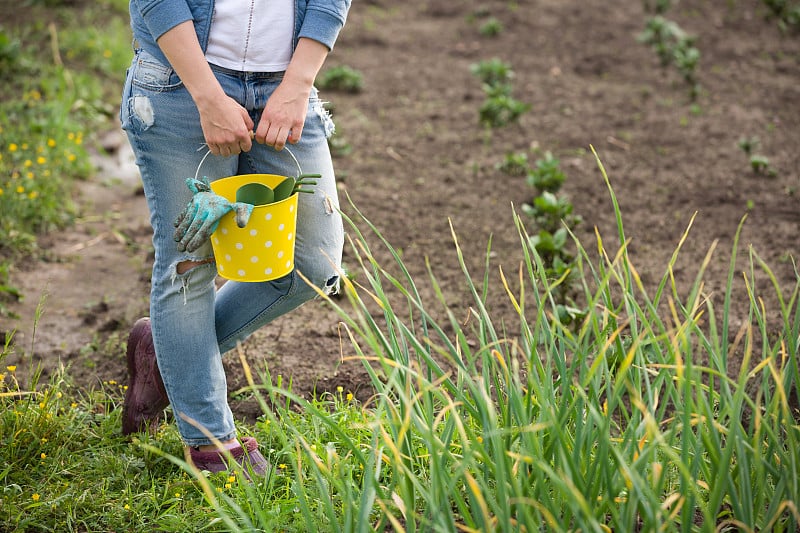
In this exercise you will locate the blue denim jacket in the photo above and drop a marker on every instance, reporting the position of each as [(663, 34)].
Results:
[(320, 20)]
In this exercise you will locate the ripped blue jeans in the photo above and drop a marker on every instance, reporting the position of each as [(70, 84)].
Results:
[(192, 322)]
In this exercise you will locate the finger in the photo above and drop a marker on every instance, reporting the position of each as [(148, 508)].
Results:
[(191, 231), (201, 235), (243, 212), (295, 133), (280, 139), (184, 221)]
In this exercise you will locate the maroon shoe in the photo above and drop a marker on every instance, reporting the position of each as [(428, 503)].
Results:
[(146, 398), (246, 455)]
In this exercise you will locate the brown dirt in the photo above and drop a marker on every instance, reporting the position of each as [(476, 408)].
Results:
[(419, 159)]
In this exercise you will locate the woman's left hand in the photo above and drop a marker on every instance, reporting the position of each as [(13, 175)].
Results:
[(284, 115)]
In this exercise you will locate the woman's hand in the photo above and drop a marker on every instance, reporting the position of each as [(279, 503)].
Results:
[(226, 125), (284, 115)]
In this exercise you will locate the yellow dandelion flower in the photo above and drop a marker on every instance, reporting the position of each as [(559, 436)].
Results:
[(112, 382), (35, 496), (70, 136), (282, 466), (33, 195), (24, 146), (28, 163), (43, 440), (126, 507), (339, 389), (13, 147), (219, 489), (39, 149), (479, 439), (59, 395), (46, 173), (1, 157), (107, 53), (43, 455), (1, 191), (349, 397), (29, 175), (227, 485), (51, 143), (41, 160), (42, 405), (71, 158), (79, 139), (231, 479), (20, 189), (11, 368), (73, 405), (177, 494), (2, 376)]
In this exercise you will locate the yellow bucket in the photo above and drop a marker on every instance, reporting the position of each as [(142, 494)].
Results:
[(264, 249)]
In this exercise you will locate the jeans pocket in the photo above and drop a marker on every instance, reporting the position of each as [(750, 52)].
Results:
[(150, 74)]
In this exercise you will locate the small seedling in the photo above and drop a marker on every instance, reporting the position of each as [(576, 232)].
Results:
[(341, 78), (673, 46), (493, 72), (759, 164), (749, 144), (514, 164), (500, 108), (547, 174), (491, 28)]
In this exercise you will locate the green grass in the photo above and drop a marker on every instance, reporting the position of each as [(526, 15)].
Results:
[(61, 70), (636, 417)]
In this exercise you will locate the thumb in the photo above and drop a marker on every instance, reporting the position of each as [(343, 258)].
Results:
[(243, 212)]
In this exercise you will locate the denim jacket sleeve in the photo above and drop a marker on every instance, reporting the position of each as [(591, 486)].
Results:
[(323, 20), (159, 16)]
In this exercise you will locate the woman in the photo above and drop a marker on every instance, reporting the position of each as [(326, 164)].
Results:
[(233, 77)]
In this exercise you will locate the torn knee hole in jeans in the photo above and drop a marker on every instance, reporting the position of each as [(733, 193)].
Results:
[(182, 269), (185, 266)]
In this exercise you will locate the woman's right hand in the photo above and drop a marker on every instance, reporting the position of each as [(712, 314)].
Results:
[(226, 125)]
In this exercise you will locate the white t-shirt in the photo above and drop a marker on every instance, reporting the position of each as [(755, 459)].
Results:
[(251, 35)]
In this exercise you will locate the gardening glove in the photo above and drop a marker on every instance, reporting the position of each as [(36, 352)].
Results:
[(201, 216)]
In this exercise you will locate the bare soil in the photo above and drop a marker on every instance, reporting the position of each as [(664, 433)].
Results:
[(420, 159)]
